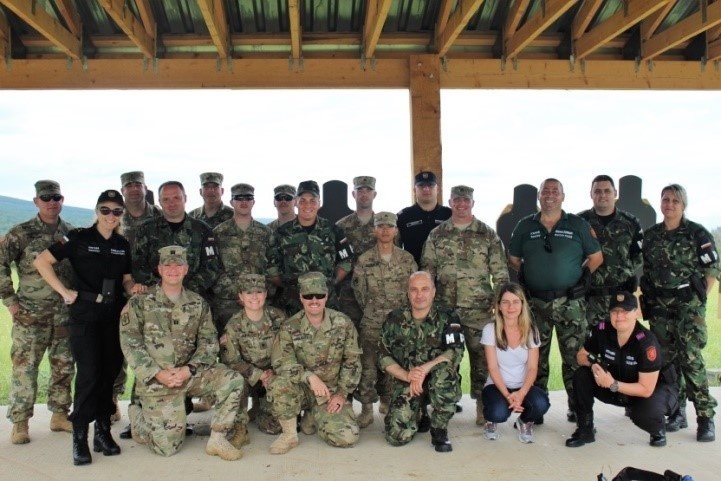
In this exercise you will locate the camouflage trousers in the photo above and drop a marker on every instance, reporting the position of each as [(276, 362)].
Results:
[(288, 399), (473, 322), (121, 380), (223, 310), (441, 388), (597, 309), (34, 332), (569, 319), (347, 303), (264, 418), (163, 418), (681, 331), (373, 382)]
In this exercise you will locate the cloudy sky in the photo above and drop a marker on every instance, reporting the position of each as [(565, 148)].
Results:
[(492, 141)]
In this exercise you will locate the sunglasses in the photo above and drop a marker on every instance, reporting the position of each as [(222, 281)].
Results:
[(547, 244), (49, 197), (283, 198), (243, 197), (117, 212), (308, 297)]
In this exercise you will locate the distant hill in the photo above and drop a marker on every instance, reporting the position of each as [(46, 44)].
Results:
[(13, 211)]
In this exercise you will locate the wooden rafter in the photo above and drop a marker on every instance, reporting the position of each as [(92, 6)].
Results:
[(443, 13), (513, 19), (295, 27), (536, 25), (687, 28), (4, 36), (70, 15), (650, 24), (583, 17), (38, 18), (456, 23), (146, 15), (127, 22), (375, 19), (714, 50), (213, 12), (614, 25)]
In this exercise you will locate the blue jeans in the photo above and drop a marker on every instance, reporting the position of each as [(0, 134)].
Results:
[(495, 406)]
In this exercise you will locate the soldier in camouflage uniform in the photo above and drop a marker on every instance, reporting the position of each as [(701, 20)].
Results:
[(284, 202), (316, 359), (169, 340), (242, 242), (380, 282), (466, 259), (358, 227), (421, 347), (247, 343), (681, 265), (39, 315), (555, 254), (308, 243), (621, 238), (213, 212)]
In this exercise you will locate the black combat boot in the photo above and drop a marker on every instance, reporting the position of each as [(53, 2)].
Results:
[(584, 432), (706, 431), (103, 440), (439, 439), (658, 439), (81, 451), (676, 421)]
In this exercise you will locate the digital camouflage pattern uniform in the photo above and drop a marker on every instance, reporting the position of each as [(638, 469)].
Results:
[(380, 286), (331, 352), (466, 264), (361, 237), (42, 320), (157, 333), (621, 241), (247, 350), (675, 261), (409, 342), (223, 214)]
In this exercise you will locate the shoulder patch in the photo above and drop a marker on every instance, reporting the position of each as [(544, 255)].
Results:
[(651, 353)]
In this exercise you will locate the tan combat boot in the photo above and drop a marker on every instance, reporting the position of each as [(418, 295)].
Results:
[(307, 422), (19, 433), (480, 420), (365, 418), (240, 436), (286, 441), (219, 446), (134, 413), (60, 422)]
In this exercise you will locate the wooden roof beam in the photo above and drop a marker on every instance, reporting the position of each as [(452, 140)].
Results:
[(456, 23), (71, 16), (583, 17), (687, 28), (127, 22), (214, 15), (444, 12), (376, 15), (39, 19), (714, 50), (536, 26), (651, 23), (4, 36), (619, 22), (295, 28), (513, 19), (146, 15)]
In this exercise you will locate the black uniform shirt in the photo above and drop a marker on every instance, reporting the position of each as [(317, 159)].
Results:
[(414, 225)]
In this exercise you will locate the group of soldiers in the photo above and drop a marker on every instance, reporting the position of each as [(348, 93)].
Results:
[(306, 315)]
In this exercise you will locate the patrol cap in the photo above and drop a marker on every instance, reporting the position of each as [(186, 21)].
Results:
[(130, 177), (309, 186), (284, 189), (364, 181), (312, 283), (462, 191), (242, 189), (213, 177), (252, 283), (426, 177), (111, 195), (625, 300), (46, 187), (172, 255), (385, 218)]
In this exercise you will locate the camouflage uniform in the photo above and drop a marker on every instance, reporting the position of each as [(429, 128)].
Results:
[(247, 350), (409, 343), (42, 320), (677, 314), (157, 333), (131, 224), (331, 352), (379, 287), (223, 214), (361, 237), (463, 262), (621, 241)]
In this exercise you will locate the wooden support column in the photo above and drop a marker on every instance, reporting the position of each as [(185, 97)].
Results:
[(425, 92)]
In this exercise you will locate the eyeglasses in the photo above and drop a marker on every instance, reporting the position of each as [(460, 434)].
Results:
[(117, 212), (547, 243), (283, 198), (308, 297), (244, 197), (49, 197)]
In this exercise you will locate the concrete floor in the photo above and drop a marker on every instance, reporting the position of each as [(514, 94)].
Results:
[(619, 444)]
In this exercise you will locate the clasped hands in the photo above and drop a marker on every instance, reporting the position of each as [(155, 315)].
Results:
[(335, 401), (174, 376)]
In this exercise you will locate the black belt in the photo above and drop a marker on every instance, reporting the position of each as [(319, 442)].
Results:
[(666, 293), (95, 297), (604, 291), (549, 295)]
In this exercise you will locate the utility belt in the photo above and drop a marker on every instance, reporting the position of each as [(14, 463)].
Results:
[(105, 296), (548, 295), (604, 291)]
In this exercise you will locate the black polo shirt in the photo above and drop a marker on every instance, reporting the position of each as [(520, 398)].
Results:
[(414, 225)]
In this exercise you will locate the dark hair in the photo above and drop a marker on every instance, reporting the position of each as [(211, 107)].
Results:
[(603, 178), (169, 183), (551, 179)]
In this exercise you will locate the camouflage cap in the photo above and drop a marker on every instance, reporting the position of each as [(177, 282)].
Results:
[(284, 189), (309, 186), (364, 181), (462, 191), (130, 177), (312, 283), (252, 283), (426, 177), (213, 177), (46, 187), (173, 255), (625, 300), (385, 218), (110, 195), (242, 189)]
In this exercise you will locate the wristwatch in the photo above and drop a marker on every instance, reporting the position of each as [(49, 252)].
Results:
[(192, 369), (614, 386)]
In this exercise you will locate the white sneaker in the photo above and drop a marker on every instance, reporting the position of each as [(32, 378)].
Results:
[(525, 431), (490, 431)]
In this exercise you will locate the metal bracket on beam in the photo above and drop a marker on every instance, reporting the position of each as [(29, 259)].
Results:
[(503, 63), (146, 63), (291, 62), (704, 60), (363, 61), (514, 62), (650, 65), (69, 63), (444, 63), (218, 64), (84, 63), (572, 63), (637, 64), (229, 63), (717, 65)]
